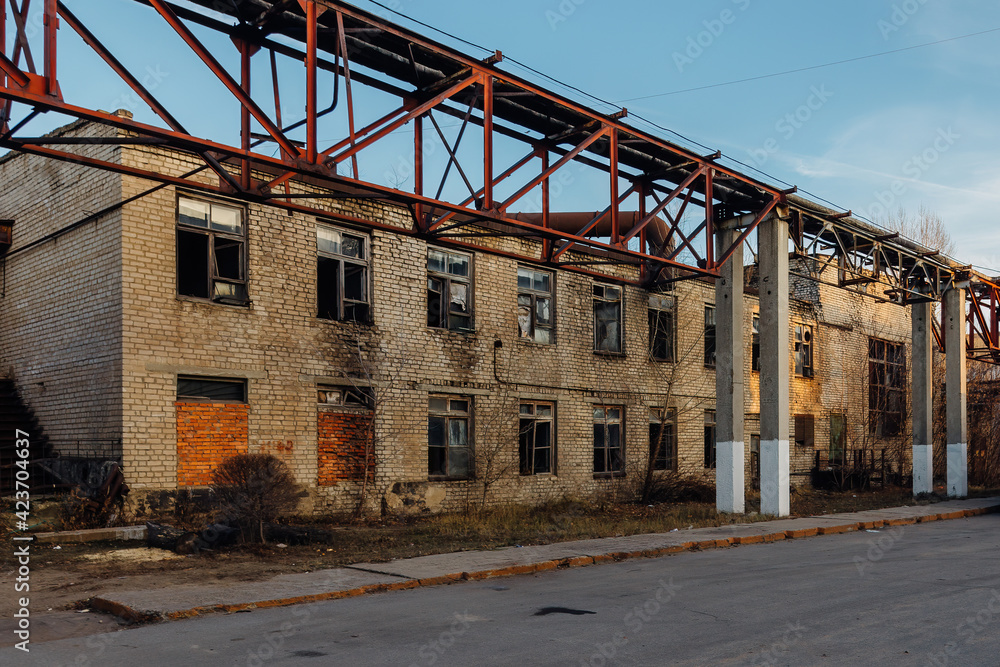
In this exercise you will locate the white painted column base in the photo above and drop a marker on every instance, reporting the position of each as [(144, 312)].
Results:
[(923, 469), (774, 464), (958, 470), (729, 482)]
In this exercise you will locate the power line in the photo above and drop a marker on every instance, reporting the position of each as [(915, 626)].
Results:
[(811, 67)]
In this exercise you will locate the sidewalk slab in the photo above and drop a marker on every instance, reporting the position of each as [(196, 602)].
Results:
[(363, 578)]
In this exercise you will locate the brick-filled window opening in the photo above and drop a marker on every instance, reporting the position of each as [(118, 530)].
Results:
[(886, 387), (607, 319), (222, 390), (449, 290), (755, 344), (709, 438), (211, 251), (535, 319), (661, 327), (838, 439), (609, 458), (342, 291), (536, 438), (347, 397), (803, 350), (662, 440), (449, 444), (805, 429), (710, 336)]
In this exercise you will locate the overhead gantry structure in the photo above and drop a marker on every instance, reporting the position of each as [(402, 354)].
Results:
[(668, 212)]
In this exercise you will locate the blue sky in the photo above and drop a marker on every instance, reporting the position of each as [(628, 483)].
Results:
[(913, 128)]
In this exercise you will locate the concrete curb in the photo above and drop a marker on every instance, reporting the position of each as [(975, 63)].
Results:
[(121, 533), (146, 616)]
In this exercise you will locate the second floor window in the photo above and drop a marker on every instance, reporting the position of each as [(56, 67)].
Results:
[(710, 336), (341, 275), (211, 251), (449, 290), (803, 350), (755, 344), (534, 305), (607, 318), (661, 327)]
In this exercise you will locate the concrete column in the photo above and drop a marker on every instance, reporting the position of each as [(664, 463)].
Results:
[(772, 241), (921, 315), (729, 480), (958, 439)]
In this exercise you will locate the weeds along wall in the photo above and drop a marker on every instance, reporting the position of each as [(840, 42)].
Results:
[(121, 316)]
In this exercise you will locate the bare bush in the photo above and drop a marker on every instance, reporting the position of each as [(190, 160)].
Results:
[(253, 489)]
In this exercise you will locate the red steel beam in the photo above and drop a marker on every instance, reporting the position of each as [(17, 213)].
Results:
[(50, 24), (346, 66), (746, 232), (13, 72), (220, 72), (613, 155), (488, 142)]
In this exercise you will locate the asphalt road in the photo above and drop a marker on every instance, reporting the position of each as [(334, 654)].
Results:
[(927, 594)]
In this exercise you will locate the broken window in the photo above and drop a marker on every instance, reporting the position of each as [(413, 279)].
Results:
[(535, 318), (536, 437), (342, 275), (449, 290), (709, 438), (224, 390), (804, 431), (710, 336), (662, 440), (838, 438), (211, 251), (661, 327), (349, 397), (607, 318), (449, 449), (755, 344), (886, 382), (803, 350), (608, 455)]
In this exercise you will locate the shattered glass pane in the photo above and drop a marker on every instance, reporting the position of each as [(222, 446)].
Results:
[(542, 315), (352, 246), (460, 297), (524, 320), (192, 212)]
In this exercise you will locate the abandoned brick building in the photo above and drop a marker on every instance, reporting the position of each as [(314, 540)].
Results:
[(175, 329)]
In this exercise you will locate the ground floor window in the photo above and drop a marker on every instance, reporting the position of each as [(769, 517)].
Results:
[(536, 439), (662, 440), (449, 448), (709, 438), (608, 450)]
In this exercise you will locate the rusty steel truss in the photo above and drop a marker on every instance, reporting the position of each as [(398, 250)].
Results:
[(684, 196)]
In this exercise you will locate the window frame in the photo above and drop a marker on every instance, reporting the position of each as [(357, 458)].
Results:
[(709, 335), (656, 309), (342, 262), (879, 393), (212, 275), (755, 343), (804, 431), (533, 295), (350, 397), (200, 398), (447, 318), (605, 445), (668, 453), (604, 299), (711, 444), (530, 422), (803, 343), (449, 415)]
